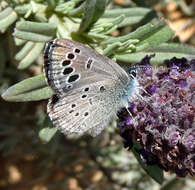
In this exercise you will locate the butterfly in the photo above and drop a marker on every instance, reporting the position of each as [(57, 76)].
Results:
[(89, 88)]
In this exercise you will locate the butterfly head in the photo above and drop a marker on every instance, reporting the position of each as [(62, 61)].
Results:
[(132, 72)]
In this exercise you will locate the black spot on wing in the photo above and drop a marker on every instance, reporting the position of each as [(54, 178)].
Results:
[(73, 78)]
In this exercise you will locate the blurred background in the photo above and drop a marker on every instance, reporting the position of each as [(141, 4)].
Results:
[(67, 163)]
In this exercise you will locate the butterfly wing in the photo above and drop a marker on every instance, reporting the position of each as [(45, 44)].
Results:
[(70, 65), (88, 87), (86, 110)]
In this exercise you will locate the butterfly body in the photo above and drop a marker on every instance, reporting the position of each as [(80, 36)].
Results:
[(89, 88)]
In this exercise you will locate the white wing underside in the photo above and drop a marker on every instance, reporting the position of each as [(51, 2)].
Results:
[(70, 112), (91, 115)]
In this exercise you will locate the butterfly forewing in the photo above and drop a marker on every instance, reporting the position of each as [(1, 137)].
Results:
[(69, 63), (87, 87)]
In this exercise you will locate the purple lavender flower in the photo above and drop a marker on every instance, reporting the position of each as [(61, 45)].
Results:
[(163, 122)]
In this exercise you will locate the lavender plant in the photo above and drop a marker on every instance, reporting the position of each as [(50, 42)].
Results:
[(34, 22), (163, 121)]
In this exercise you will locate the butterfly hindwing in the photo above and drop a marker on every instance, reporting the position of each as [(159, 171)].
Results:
[(85, 110)]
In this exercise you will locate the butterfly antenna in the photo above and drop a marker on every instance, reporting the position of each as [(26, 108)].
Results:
[(129, 112), (141, 88), (133, 77)]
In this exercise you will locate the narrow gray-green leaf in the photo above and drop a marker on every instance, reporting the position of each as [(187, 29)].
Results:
[(171, 183), (19, 42), (162, 52), (157, 37), (34, 31), (47, 133), (4, 13), (22, 9), (108, 51), (36, 27), (141, 33), (132, 15), (92, 12), (24, 51), (31, 89), (131, 21), (128, 12), (35, 95), (77, 11), (28, 56), (31, 36), (125, 22), (174, 48), (7, 17)]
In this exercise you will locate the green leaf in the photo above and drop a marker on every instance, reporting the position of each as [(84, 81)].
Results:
[(106, 26), (132, 15), (156, 37), (152, 170), (77, 11), (31, 36), (162, 52), (31, 89), (22, 9), (108, 51), (66, 7), (24, 51), (7, 17), (130, 21), (128, 12), (127, 46), (36, 27), (92, 12), (47, 133), (19, 42), (175, 48), (172, 183), (28, 54), (145, 32), (35, 31)]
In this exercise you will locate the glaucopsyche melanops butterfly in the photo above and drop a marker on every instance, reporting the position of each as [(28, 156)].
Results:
[(89, 88)]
